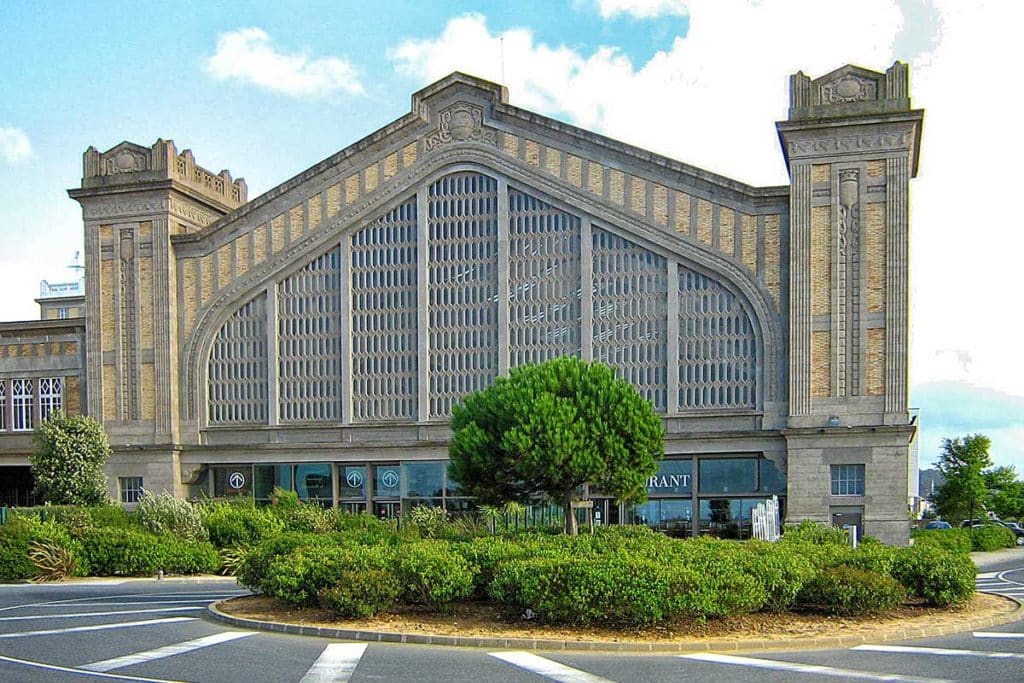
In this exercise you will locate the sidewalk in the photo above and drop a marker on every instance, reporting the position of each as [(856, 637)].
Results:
[(997, 556)]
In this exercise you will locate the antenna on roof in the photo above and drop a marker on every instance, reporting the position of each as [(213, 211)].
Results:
[(502, 59)]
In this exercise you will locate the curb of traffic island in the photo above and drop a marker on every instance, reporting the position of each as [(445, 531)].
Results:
[(754, 644)]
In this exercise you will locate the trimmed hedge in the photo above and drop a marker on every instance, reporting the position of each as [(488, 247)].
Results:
[(934, 574), (299, 576), (992, 537), (232, 524), (433, 573), (362, 593), (136, 552), (952, 540), (850, 591)]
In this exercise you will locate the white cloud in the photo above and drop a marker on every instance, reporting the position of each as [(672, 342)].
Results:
[(248, 56), (14, 145), (641, 9), (711, 99)]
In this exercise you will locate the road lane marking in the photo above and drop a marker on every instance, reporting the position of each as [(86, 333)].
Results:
[(335, 664), (987, 575), (97, 627), (219, 595), (90, 674), (79, 615), (996, 634), (166, 651), (796, 667), (941, 651), (547, 668), (133, 603)]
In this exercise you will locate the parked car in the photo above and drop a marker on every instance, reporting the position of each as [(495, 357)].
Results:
[(938, 524), (1017, 531)]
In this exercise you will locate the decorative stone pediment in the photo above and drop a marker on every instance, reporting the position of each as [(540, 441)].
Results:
[(849, 90), (460, 122)]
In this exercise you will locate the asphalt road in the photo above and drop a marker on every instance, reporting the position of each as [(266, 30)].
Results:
[(156, 631)]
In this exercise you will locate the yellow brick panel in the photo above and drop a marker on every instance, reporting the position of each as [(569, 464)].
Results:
[(206, 282), (821, 260), (532, 153), (106, 232), (553, 161), (72, 396), (574, 170), (370, 181), (242, 255), (409, 155), (147, 381), (315, 211), (277, 234), (295, 223), (109, 392), (876, 169), (70, 348), (351, 188), (748, 247), (638, 197), (727, 232), (390, 166), (146, 229), (617, 186), (223, 266), (259, 244), (876, 257), (821, 363), (333, 200), (55, 349), (107, 332), (595, 178), (772, 255), (660, 198), (146, 303), (682, 213), (876, 362), (188, 278), (510, 143), (820, 173), (705, 224)]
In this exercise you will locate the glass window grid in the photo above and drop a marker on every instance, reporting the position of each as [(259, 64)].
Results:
[(22, 402), (51, 396), (847, 480), (3, 405), (130, 489)]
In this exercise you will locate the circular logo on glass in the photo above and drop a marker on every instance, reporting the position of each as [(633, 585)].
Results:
[(236, 480), (354, 479), (389, 479)]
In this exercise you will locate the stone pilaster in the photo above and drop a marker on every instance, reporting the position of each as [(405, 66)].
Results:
[(800, 290), (896, 297)]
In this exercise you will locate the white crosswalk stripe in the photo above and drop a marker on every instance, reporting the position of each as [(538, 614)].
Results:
[(335, 664), (997, 634), (796, 667), (97, 627), (547, 668), (83, 615), (166, 651), (939, 651)]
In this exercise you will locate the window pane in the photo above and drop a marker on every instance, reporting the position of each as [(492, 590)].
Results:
[(772, 480), (728, 475), (351, 481), (847, 480), (721, 517), (313, 482), (232, 481), (674, 476), (387, 481), (266, 477), (422, 479)]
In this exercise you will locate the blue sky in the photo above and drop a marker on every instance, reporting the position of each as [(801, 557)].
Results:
[(268, 89)]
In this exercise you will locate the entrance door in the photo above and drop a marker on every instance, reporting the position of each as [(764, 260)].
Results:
[(387, 509), (846, 517), (606, 511)]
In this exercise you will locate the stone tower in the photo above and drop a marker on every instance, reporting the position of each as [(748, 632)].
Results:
[(851, 144), (133, 200)]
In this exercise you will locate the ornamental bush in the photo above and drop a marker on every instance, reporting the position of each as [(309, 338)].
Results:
[(180, 556), (850, 591), (779, 568), (231, 524), (256, 565), (433, 573), (992, 537), (815, 533), (121, 552), (67, 460), (934, 574), (299, 576), (952, 540), (362, 593), (20, 534), (162, 513)]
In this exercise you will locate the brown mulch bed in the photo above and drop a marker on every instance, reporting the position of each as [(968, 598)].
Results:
[(485, 620)]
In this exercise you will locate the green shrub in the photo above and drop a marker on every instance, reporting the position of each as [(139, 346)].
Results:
[(112, 516), (121, 552), (487, 553), (231, 559), (181, 556), (21, 534), (52, 561), (238, 524), (938, 576), (992, 537), (779, 568), (254, 568), (433, 573), (362, 593), (815, 533), (953, 540), (162, 513), (873, 557), (305, 518), (300, 576), (849, 591), (430, 521)]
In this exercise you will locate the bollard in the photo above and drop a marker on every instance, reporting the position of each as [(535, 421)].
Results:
[(160, 575)]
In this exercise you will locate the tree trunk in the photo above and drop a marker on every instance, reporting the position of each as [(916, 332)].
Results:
[(570, 515)]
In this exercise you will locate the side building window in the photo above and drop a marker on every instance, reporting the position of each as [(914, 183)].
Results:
[(847, 480), (3, 405), (51, 396), (22, 398), (130, 489)]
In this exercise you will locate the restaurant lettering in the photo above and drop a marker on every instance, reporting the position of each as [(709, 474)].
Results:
[(669, 481)]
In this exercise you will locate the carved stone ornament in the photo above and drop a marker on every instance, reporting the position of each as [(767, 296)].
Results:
[(125, 161), (460, 123), (125, 208), (849, 88), (850, 143)]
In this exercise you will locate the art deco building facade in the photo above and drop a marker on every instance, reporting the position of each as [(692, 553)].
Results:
[(318, 336)]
